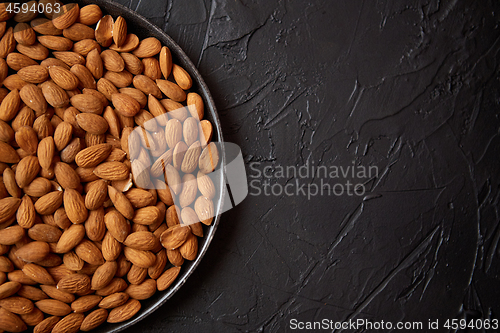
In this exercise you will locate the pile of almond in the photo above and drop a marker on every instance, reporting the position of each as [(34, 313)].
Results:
[(105, 160)]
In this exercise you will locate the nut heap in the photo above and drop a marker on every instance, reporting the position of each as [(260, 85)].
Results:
[(105, 161)]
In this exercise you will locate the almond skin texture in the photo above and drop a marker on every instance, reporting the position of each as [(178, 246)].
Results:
[(93, 156), (112, 171), (124, 312), (33, 251), (75, 206), (125, 105), (67, 16), (11, 322), (74, 283), (167, 278), (92, 123)]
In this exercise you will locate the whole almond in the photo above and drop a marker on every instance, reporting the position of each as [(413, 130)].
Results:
[(45, 27), (140, 258), (11, 322), (104, 31), (155, 271), (103, 275), (33, 74), (45, 233), (62, 135), (46, 325), (148, 47), (175, 258), (119, 79), (9, 288), (32, 293), (54, 95), (27, 139), (57, 294), (85, 303), (132, 63), (94, 64), (167, 278), (72, 261), (33, 251), (69, 153), (70, 238), (84, 46), (205, 185), (67, 16), (10, 105), (92, 156), (209, 158), (205, 132), (7, 43), (89, 252), (78, 32), (165, 59), (130, 44), (114, 300), (94, 319), (175, 236), (36, 51), (182, 77), (124, 312), (9, 181), (26, 213), (191, 158), (75, 206), (66, 176), (117, 225), (112, 171), (24, 34), (90, 14), (171, 90), (152, 68), (85, 76), (139, 198), (69, 58), (141, 240), (69, 324), (95, 226), (38, 273), (53, 307), (142, 291), (27, 169), (17, 61), (56, 43), (189, 249), (16, 304), (111, 248), (92, 123), (63, 77), (74, 283), (147, 86)]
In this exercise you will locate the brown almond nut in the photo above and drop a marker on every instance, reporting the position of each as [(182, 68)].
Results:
[(174, 109), (123, 266), (62, 135), (72, 261), (74, 205), (4, 13), (174, 236), (209, 158), (84, 76), (167, 278), (45, 27), (119, 31), (111, 248), (132, 63), (66, 176), (74, 283), (94, 64), (89, 104), (189, 249), (69, 153), (142, 291), (56, 43), (92, 156), (69, 58), (19, 276), (53, 307), (6, 132), (94, 319), (78, 32), (27, 139), (189, 190), (6, 265), (140, 258), (70, 238), (147, 86), (50, 260), (112, 61), (139, 198), (33, 251), (117, 225), (70, 323), (171, 90), (33, 74), (116, 155), (25, 117), (32, 293), (57, 294), (165, 60), (124, 312), (90, 14), (63, 77), (46, 325), (152, 68), (191, 158), (116, 285), (38, 273), (125, 105), (148, 47), (26, 212), (36, 51), (103, 275), (182, 77), (11, 322), (106, 87), (155, 271), (8, 154), (9, 288), (46, 150), (32, 96), (17, 305), (92, 123), (205, 185), (104, 31), (43, 126), (85, 303), (54, 95), (146, 216), (89, 252), (8, 208), (141, 240), (32, 318), (95, 226), (175, 258), (130, 44), (26, 16), (10, 106), (45, 233), (205, 132), (195, 105), (97, 195), (67, 15), (114, 300), (49, 203), (7, 43), (9, 181), (119, 79), (112, 171), (24, 34)]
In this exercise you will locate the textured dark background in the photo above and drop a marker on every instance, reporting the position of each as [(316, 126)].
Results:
[(411, 87)]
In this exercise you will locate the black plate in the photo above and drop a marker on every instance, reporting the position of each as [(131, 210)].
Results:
[(140, 26)]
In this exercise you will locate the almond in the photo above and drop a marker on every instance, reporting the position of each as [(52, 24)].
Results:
[(111, 248), (191, 158), (189, 249), (95, 226), (171, 90), (167, 278), (209, 158), (75, 206), (124, 312), (103, 276), (147, 86), (114, 300), (17, 61), (46, 325), (132, 63), (92, 156), (94, 64), (27, 169), (62, 135), (105, 87), (16, 304), (140, 258), (90, 14), (89, 252), (142, 291), (66, 176), (117, 225), (56, 43), (112, 171), (92, 123), (152, 68), (69, 58), (72, 261), (141, 240), (182, 77), (36, 51), (139, 198), (10, 322), (175, 258), (33, 251), (175, 236), (24, 34), (54, 95), (45, 27), (78, 32), (104, 31), (94, 319), (148, 47), (86, 303), (74, 283), (85, 77), (69, 324), (9, 288), (57, 294), (205, 132), (130, 44), (165, 61), (53, 307), (10, 106), (44, 233), (27, 139), (70, 238), (63, 77), (38, 273), (84, 46), (125, 105), (7, 43), (155, 271), (32, 293), (4, 13), (119, 79), (67, 15), (26, 213)]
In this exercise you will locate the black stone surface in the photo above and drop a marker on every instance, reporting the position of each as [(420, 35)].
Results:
[(411, 87)]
